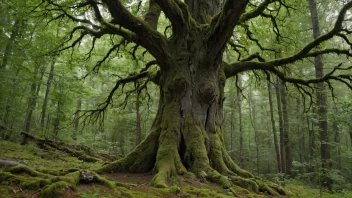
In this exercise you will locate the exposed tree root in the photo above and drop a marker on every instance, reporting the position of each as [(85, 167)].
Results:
[(53, 186), (168, 163), (8, 164), (174, 147), (81, 152)]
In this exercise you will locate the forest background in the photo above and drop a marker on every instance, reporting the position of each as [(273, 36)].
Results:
[(46, 93)]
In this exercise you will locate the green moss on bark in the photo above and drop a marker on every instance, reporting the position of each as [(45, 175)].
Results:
[(168, 162), (54, 190)]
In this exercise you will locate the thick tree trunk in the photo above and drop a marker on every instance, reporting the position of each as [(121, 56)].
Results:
[(277, 151), (186, 136), (321, 104)]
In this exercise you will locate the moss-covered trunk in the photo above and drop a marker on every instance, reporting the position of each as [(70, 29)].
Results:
[(186, 136)]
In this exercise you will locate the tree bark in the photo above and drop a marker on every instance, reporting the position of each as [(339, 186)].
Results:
[(9, 47), (253, 118), (239, 109), (287, 144), (77, 118), (277, 150), (46, 96), (10, 101), (321, 100), (281, 127), (31, 105), (58, 116), (35, 88), (138, 120), (186, 135), (337, 139)]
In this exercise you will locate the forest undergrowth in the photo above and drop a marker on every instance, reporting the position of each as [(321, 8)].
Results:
[(42, 167)]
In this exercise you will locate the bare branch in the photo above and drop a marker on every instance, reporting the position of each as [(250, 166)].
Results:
[(250, 37), (304, 53), (98, 113), (148, 65), (236, 68)]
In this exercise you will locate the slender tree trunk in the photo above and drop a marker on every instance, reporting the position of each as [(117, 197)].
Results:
[(46, 96), (58, 117), (77, 114), (9, 47), (302, 131), (253, 118), (239, 109), (77, 118), (311, 137), (10, 100), (337, 143), (281, 127), (287, 144), (32, 104), (138, 120), (277, 150), (350, 133), (321, 104), (232, 127)]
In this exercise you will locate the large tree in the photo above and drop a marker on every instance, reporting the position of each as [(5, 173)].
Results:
[(186, 136)]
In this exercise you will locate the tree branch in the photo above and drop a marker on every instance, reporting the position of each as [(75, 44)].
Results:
[(232, 70), (152, 16), (221, 27), (237, 67), (98, 113), (176, 13), (150, 39), (260, 9)]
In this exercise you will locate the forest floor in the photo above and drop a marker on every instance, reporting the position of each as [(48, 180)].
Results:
[(138, 185)]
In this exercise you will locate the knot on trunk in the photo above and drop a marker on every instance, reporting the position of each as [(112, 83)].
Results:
[(180, 86), (207, 92), (176, 89)]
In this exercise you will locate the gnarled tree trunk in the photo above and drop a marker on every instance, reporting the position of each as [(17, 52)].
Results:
[(186, 136)]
